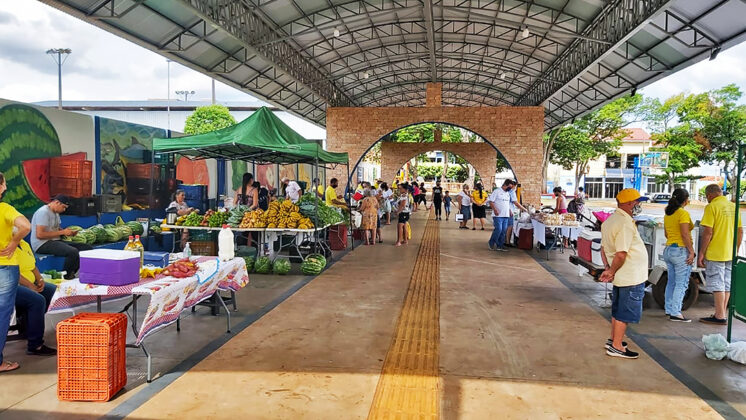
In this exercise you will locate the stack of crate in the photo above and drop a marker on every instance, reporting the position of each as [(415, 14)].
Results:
[(71, 177), (196, 196), (145, 185)]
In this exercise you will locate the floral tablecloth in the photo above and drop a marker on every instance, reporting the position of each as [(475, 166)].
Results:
[(168, 295)]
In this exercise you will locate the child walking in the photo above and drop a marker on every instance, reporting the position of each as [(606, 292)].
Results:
[(403, 207), (447, 204)]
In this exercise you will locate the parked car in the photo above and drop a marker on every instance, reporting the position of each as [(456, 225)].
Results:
[(660, 198)]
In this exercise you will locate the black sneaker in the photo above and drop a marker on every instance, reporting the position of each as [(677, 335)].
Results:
[(624, 354), (42, 351), (678, 318), (609, 343), (502, 249), (713, 320)]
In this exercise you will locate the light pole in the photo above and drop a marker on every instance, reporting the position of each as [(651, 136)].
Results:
[(186, 93), (168, 98), (57, 54)]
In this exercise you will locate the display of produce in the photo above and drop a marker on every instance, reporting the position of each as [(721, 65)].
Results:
[(249, 264), (150, 272), (216, 218), (309, 204), (314, 264), (191, 219), (136, 227), (181, 269), (253, 219), (263, 265), (282, 214), (281, 266), (236, 215)]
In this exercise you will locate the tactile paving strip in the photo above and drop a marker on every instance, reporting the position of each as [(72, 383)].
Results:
[(409, 385)]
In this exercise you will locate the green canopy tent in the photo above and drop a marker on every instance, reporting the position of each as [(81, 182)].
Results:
[(261, 138)]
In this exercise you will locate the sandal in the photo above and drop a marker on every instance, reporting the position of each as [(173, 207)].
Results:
[(397, 244), (8, 366)]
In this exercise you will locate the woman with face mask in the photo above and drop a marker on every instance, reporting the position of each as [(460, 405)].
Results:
[(679, 253)]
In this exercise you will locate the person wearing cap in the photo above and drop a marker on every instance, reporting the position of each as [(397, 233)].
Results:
[(292, 189), (626, 261), (716, 249), (46, 235)]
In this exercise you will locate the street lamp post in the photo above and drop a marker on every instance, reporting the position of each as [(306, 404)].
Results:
[(186, 93), (168, 90), (57, 56)]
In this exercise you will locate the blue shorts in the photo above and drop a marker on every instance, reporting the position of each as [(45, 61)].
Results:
[(510, 221), (717, 274), (626, 303)]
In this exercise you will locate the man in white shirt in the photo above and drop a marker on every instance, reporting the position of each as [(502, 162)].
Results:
[(500, 200), (292, 190)]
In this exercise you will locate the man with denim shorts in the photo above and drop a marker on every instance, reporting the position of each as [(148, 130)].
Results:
[(626, 260), (716, 249)]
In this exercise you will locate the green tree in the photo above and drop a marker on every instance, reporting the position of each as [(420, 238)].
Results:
[(209, 118), (720, 125), (594, 135), (683, 153)]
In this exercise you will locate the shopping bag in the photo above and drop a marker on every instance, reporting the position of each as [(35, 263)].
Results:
[(460, 217), (409, 231)]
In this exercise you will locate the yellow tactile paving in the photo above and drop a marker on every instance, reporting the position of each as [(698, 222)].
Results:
[(409, 383)]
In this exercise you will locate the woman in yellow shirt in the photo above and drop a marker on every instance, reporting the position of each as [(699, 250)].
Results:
[(679, 253), (478, 209)]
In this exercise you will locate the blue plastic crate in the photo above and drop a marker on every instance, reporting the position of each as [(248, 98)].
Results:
[(201, 205), (194, 192)]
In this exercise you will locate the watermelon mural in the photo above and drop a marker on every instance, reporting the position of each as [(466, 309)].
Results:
[(27, 141)]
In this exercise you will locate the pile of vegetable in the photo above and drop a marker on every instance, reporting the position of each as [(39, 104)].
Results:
[(191, 219), (309, 204), (236, 215), (217, 218), (181, 269), (313, 265)]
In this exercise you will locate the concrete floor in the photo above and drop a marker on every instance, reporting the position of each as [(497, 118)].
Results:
[(520, 338)]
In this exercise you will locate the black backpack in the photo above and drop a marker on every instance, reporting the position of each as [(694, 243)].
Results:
[(263, 199)]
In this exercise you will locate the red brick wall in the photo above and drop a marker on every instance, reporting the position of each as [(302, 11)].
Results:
[(515, 131)]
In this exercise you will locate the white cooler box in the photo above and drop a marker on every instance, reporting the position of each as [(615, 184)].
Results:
[(596, 252)]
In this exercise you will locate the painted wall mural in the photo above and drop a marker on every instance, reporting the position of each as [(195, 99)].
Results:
[(121, 143), (27, 141)]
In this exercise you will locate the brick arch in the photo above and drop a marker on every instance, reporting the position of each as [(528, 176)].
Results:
[(515, 131), (482, 156)]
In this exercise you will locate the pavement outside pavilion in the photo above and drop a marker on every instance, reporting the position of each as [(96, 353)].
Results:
[(519, 337)]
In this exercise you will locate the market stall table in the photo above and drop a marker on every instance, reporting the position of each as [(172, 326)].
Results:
[(560, 232), (169, 296)]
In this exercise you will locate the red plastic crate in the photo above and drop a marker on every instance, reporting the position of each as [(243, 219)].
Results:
[(584, 249), (338, 237), (72, 187), (68, 168), (143, 170), (91, 359)]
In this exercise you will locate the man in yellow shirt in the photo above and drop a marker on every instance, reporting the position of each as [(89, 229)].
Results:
[(33, 297), (626, 260), (9, 272), (716, 250), (331, 195)]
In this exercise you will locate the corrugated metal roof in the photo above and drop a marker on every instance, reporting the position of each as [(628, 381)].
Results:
[(568, 55)]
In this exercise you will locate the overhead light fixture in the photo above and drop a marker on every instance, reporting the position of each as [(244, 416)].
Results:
[(366, 75), (336, 33), (526, 33), (714, 53), (502, 75)]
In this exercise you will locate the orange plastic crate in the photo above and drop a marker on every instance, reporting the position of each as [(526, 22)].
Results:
[(91, 359)]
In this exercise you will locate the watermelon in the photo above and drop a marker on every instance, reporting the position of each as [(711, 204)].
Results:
[(109, 226), (26, 134), (281, 266), (249, 264), (37, 176), (112, 234), (75, 228), (100, 233), (263, 265), (124, 231), (136, 227), (313, 264)]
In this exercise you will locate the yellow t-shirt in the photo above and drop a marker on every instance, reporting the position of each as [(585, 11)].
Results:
[(619, 233), (476, 199), (8, 216), (320, 189), (720, 215), (672, 225), (26, 261), (330, 196)]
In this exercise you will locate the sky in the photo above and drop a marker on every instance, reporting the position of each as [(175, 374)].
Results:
[(103, 66)]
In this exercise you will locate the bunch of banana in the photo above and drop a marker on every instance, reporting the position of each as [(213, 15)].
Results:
[(254, 219)]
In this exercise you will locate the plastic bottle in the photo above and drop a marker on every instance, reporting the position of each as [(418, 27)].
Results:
[(187, 252), (130, 244), (137, 246), (226, 244)]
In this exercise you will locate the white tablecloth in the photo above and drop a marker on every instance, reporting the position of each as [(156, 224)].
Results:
[(540, 232)]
